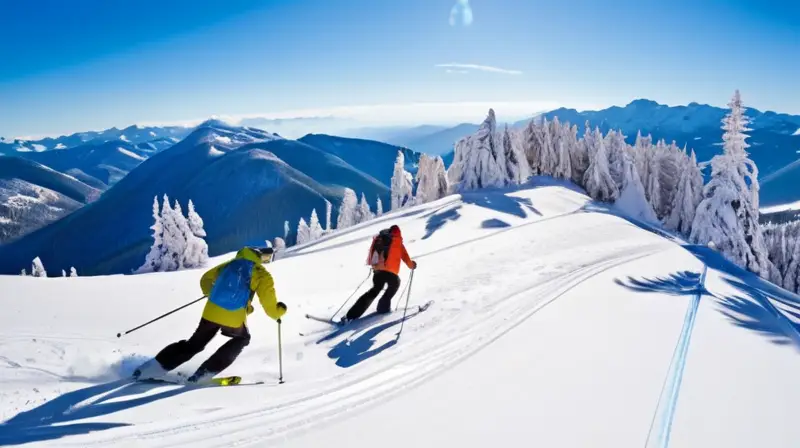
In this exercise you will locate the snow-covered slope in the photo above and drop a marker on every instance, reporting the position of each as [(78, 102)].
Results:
[(238, 185), (371, 157), (33, 195), (553, 324)]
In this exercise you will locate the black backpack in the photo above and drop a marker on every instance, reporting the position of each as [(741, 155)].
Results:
[(381, 246)]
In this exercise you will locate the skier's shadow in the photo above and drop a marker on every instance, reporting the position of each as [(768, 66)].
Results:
[(48, 421), (348, 353)]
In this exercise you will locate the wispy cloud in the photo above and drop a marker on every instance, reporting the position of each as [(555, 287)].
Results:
[(465, 68), (461, 10)]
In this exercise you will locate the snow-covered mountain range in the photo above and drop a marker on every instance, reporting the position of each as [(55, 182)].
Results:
[(159, 137), (244, 182)]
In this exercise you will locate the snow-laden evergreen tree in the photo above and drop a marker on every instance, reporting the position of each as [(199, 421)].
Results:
[(728, 214), (654, 178), (63, 273), (615, 146), (687, 197), (483, 164), (73, 272), (631, 198), (279, 245), (347, 211), (563, 153), (154, 258), (512, 168), (598, 181), (173, 242), (196, 254), (363, 212), (579, 156), (328, 214), (402, 189), (303, 232), (642, 152), (549, 160), (23, 273), (195, 221), (533, 141), (315, 230), (671, 162), (379, 208), (782, 248), (37, 268), (431, 179), (286, 230)]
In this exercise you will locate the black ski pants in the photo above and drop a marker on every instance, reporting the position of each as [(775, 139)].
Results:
[(380, 279), (179, 352)]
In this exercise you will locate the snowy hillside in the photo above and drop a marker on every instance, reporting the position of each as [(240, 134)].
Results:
[(371, 157), (33, 195), (244, 182), (554, 323)]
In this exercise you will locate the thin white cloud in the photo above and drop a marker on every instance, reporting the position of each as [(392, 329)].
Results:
[(480, 68), (463, 11)]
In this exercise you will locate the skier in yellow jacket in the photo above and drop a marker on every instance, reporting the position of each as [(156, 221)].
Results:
[(230, 288)]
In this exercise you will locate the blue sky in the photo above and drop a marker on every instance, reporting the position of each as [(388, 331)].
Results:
[(91, 64)]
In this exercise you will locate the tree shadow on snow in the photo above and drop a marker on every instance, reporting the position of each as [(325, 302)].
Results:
[(47, 421), (500, 202), (677, 284), (349, 353), (494, 224), (438, 220)]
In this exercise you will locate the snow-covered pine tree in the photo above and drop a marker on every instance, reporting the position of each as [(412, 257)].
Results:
[(196, 254), (549, 160), (286, 230), (315, 230), (401, 188), (631, 198), (328, 213), (23, 273), (73, 272), (615, 145), (194, 251), (532, 140), (687, 197), (363, 213), (727, 216), (347, 211), (579, 156), (63, 273), (303, 232), (512, 169), (37, 268), (654, 178), (279, 245), (564, 167), (173, 242), (642, 152), (672, 160), (379, 207), (431, 179), (153, 260), (598, 181), (483, 158)]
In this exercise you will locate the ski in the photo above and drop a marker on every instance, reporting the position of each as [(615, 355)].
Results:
[(226, 381), (413, 310)]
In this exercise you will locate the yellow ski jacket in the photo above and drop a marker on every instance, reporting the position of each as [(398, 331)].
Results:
[(261, 283)]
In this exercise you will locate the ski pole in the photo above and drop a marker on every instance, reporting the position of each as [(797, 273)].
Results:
[(408, 297), (280, 354), (160, 317), (351, 295)]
